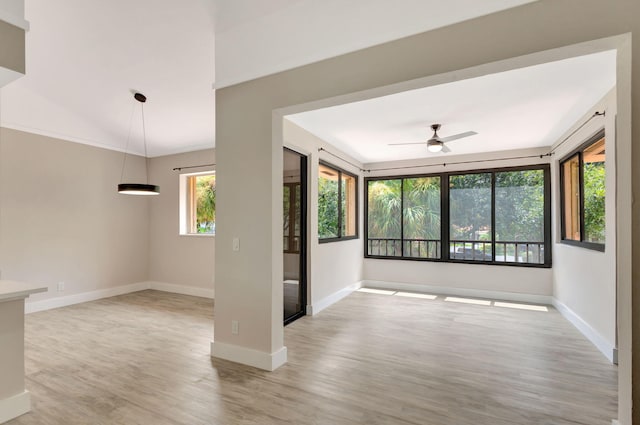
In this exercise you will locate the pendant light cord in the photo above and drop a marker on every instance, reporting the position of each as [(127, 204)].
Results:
[(126, 149), (144, 140)]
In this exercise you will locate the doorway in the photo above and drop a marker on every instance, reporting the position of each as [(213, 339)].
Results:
[(294, 226)]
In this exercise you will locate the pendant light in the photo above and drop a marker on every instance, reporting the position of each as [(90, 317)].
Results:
[(138, 188)]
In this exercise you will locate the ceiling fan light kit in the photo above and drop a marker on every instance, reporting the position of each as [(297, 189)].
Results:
[(434, 146)]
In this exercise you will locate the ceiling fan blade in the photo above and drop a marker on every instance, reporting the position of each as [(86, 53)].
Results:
[(445, 149), (407, 143), (457, 136)]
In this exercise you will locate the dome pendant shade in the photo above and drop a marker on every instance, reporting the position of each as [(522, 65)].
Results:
[(138, 189), (434, 145)]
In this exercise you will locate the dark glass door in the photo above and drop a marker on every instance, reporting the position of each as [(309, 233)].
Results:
[(294, 234)]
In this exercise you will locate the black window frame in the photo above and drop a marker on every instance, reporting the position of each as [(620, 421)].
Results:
[(579, 151), (341, 237), (445, 216)]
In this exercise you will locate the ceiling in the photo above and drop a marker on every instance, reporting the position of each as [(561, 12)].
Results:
[(518, 109), (86, 57)]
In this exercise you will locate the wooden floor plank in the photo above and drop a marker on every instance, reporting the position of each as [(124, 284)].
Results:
[(143, 358)]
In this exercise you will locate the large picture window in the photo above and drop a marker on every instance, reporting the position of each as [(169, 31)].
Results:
[(337, 204), (582, 187), (497, 216)]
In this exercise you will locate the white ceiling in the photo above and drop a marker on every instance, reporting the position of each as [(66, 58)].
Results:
[(85, 57), (523, 108)]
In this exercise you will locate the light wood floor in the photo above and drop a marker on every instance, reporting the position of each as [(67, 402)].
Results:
[(143, 358)]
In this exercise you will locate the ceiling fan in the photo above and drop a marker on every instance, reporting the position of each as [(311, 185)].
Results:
[(436, 143)]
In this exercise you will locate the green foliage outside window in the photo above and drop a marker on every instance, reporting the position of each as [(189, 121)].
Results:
[(594, 196), (327, 208), (206, 203)]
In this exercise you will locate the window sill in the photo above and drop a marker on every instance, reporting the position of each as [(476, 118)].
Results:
[(581, 244), (198, 235)]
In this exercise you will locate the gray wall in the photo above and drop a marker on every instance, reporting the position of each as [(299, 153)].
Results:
[(12, 47), (173, 258), (62, 220), (249, 144)]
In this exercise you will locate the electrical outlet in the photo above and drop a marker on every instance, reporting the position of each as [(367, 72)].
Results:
[(60, 286), (235, 327), (236, 244)]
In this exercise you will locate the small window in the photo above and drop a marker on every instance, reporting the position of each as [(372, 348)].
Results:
[(337, 204), (198, 204), (582, 177)]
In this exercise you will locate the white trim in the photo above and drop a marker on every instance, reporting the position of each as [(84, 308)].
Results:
[(64, 301), (35, 306), (463, 292), (317, 307), (14, 20), (591, 334), (8, 75), (615, 422), (183, 290), (248, 356), (14, 406)]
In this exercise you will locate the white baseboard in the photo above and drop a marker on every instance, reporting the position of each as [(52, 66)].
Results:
[(462, 292), (15, 406), (181, 289), (247, 356), (318, 306), (67, 300), (615, 422), (64, 301), (609, 351)]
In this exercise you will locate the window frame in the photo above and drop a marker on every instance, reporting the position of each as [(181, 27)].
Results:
[(340, 172), (579, 151), (445, 216), (186, 203)]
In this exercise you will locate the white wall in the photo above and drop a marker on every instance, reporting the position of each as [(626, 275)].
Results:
[(62, 220), (174, 259), (508, 282), (254, 40), (584, 280), (334, 267)]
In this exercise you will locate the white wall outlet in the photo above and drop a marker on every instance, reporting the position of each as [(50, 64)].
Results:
[(236, 244), (60, 286), (235, 327)]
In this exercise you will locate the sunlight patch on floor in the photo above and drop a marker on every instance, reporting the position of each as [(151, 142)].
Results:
[(416, 295), (462, 300), (521, 306), (376, 291), (467, 301)]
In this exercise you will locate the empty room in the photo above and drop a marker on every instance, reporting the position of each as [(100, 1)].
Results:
[(246, 212)]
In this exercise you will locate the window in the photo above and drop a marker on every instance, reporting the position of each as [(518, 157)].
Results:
[(470, 217), (198, 204), (291, 217), (582, 179), (337, 204), (489, 216)]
